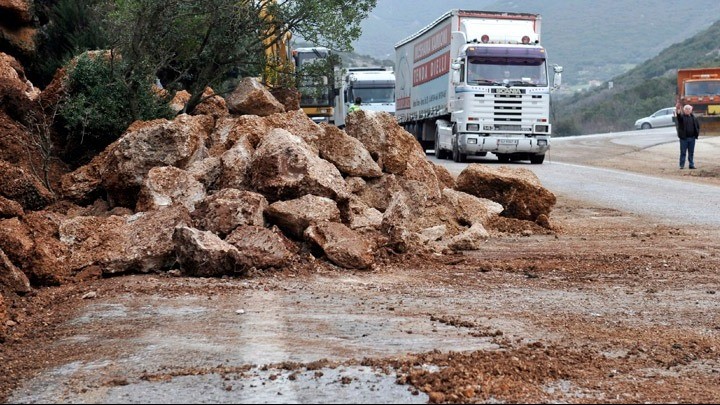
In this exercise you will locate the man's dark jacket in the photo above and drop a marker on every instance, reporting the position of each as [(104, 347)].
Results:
[(687, 126)]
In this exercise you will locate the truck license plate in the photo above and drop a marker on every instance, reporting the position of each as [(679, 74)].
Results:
[(507, 141)]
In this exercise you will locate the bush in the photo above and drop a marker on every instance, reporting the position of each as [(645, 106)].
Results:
[(97, 109)]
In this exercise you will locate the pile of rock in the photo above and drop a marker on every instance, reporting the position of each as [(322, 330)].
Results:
[(248, 185)]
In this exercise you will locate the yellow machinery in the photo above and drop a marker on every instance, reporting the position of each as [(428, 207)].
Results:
[(315, 82), (279, 67), (307, 69)]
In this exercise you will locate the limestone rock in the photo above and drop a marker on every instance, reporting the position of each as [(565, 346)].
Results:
[(167, 186), (228, 209), (518, 190), (251, 97), (294, 216), (284, 167), (204, 254), (263, 248), (342, 246)]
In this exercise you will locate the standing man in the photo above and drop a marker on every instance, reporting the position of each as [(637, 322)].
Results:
[(688, 130)]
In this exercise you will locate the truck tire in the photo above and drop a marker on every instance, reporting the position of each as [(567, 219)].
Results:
[(439, 153), (457, 156), (537, 159)]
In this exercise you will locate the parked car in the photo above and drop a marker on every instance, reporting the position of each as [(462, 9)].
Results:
[(661, 118)]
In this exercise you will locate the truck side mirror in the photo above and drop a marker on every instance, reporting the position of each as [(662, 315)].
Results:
[(557, 79), (455, 72)]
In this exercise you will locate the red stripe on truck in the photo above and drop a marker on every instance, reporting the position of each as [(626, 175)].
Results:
[(433, 69)]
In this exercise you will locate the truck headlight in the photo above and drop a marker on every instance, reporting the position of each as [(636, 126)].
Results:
[(542, 142), (542, 129), (472, 141), (473, 127)]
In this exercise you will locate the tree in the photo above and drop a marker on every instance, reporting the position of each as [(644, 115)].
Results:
[(196, 44), (74, 27)]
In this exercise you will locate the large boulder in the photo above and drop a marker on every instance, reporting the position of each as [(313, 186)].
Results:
[(85, 183), (284, 167), (470, 209), (262, 247), (228, 209), (294, 216), (145, 145), (389, 144), (119, 244), (251, 97), (518, 190), (377, 193), (204, 254), (347, 153), (253, 129), (342, 246), (212, 104), (12, 73), (16, 241), (17, 10), (234, 166), (32, 245), (11, 277), (168, 186), (9, 208), (19, 185), (207, 171), (359, 216), (288, 97)]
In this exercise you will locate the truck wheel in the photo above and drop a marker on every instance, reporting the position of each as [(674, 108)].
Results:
[(537, 159), (455, 154), (502, 158), (439, 153)]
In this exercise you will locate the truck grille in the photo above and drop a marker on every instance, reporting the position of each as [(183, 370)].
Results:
[(508, 108)]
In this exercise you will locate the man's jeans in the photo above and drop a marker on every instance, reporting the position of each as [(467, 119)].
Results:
[(687, 147)]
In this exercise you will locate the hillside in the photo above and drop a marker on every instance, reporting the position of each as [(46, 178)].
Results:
[(592, 40), (638, 92)]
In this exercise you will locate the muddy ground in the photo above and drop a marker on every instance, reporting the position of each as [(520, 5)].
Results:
[(608, 307)]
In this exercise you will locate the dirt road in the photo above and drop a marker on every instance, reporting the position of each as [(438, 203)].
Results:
[(610, 307)]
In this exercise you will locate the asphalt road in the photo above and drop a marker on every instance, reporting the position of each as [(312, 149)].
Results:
[(666, 200)]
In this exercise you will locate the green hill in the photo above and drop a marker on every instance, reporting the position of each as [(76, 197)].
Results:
[(636, 93)]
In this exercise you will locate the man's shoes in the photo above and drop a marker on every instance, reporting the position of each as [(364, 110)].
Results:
[(682, 167), (692, 167)]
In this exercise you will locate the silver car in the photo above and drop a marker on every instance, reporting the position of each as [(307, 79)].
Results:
[(661, 118)]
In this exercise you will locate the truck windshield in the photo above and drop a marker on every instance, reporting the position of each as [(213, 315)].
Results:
[(513, 71), (702, 88), (374, 94)]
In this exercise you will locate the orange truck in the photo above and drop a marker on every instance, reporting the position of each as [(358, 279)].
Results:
[(700, 88)]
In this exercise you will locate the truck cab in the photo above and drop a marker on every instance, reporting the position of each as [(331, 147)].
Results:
[(375, 86), (477, 82), (316, 82)]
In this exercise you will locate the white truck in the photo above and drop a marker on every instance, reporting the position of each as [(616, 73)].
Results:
[(374, 85), (474, 82)]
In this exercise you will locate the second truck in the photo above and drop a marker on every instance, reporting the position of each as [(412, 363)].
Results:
[(700, 87), (375, 86), (474, 82)]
